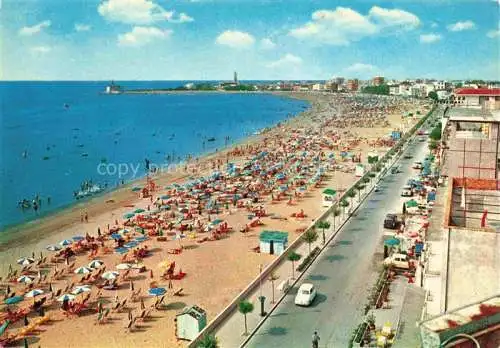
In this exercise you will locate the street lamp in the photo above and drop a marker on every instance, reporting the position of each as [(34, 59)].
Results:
[(262, 298)]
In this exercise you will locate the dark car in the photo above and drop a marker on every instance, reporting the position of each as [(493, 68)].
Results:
[(391, 221)]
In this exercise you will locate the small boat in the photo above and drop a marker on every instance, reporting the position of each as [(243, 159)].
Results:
[(89, 190), (211, 139), (85, 154)]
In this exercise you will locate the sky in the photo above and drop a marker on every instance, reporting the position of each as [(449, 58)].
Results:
[(260, 39)]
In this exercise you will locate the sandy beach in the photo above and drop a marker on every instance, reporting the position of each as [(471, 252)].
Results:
[(218, 262)]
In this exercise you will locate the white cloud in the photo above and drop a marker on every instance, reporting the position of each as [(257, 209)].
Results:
[(394, 17), (184, 18), (361, 68), (493, 34), (82, 27), (29, 31), (142, 35), (267, 44), (434, 25), (461, 26), (287, 60), (133, 11), (40, 49), (429, 38), (235, 39), (344, 25)]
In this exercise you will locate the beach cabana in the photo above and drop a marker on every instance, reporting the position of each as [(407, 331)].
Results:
[(360, 170), (329, 197), (190, 322), (273, 242)]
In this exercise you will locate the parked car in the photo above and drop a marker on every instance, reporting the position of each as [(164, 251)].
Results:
[(406, 191), (377, 188), (391, 221), (398, 261), (305, 295), (417, 165), (395, 170)]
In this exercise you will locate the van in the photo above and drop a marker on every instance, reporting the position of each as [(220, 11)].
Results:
[(398, 261), (391, 221)]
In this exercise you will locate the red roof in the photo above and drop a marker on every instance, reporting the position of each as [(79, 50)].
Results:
[(478, 91)]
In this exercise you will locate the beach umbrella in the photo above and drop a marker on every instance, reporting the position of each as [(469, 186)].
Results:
[(128, 216), (25, 279), (121, 250), (131, 244), (138, 211), (110, 275), (157, 291), (83, 270), (96, 264), (53, 248), (124, 231), (135, 189), (137, 265), (81, 288), (392, 242), (412, 203), (165, 197), (141, 239), (66, 297), (124, 266), (78, 238), (65, 242), (13, 300), (116, 236), (34, 293), (24, 261)]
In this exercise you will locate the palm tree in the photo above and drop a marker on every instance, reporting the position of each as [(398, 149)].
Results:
[(323, 225), (336, 212), (272, 278), (245, 307), (344, 203), (310, 236), (293, 256), (208, 341)]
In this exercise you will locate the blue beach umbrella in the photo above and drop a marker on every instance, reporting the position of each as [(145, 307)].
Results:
[(66, 242), (131, 245), (128, 216), (392, 242), (157, 291), (116, 236), (121, 250), (13, 300), (165, 197), (141, 239), (25, 279), (138, 211)]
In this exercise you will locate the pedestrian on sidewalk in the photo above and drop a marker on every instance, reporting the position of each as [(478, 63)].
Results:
[(315, 340)]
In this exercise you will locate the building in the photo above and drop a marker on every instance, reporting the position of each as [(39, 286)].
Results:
[(471, 138), (317, 87), (190, 322), (394, 90), (113, 88), (339, 81), (353, 85), (488, 98), (235, 78), (273, 242), (378, 81)]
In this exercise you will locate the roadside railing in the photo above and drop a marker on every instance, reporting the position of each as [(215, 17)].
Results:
[(383, 164)]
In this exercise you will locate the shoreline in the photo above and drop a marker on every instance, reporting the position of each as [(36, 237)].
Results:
[(17, 234)]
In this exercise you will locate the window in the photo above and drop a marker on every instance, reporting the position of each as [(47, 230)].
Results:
[(305, 292)]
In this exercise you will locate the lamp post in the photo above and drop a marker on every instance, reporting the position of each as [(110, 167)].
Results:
[(262, 298)]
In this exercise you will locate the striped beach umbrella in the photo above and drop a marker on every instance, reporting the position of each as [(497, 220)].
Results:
[(81, 288), (83, 270), (25, 279), (34, 293), (96, 264), (110, 275), (124, 266), (53, 247), (66, 297), (24, 261)]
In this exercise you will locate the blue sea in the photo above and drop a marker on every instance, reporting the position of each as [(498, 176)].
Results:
[(54, 135)]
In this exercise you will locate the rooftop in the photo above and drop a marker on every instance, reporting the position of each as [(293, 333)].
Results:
[(268, 236), (473, 114), (478, 91)]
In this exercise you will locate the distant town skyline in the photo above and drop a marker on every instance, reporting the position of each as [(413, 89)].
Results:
[(261, 40)]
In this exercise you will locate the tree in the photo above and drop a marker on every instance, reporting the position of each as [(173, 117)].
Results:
[(310, 236), (433, 145), (436, 132), (323, 225), (344, 204), (244, 308), (272, 278), (208, 341), (433, 95), (293, 257)]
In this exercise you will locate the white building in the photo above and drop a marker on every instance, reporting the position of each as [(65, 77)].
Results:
[(394, 90)]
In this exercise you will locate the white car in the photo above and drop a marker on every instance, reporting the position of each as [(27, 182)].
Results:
[(406, 191), (305, 295)]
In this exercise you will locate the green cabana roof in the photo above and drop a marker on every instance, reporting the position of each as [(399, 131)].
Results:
[(276, 236), (330, 192), (412, 203)]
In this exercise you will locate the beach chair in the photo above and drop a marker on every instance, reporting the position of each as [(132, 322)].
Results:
[(116, 307), (178, 292), (159, 304), (141, 316)]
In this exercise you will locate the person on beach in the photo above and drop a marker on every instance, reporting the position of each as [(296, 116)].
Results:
[(315, 340), (86, 217)]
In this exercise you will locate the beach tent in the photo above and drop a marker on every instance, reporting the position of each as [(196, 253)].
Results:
[(190, 322), (273, 242), (329, 197)]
